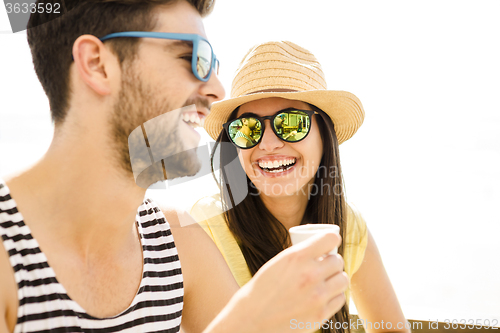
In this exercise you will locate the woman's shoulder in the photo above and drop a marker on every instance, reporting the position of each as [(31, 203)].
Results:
[(356, 240), (356, 229), (206, 208)]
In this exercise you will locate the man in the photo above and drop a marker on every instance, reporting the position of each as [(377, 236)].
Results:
[(74, 259), (244, 137)]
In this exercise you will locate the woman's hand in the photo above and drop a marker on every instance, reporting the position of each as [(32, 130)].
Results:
[(291, 290)]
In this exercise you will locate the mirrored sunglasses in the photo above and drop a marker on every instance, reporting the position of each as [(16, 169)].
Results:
[(290, 125)]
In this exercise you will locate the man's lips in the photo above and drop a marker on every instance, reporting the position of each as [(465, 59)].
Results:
[(194, 118)]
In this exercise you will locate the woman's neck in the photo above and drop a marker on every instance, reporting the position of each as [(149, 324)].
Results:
[(289, 210)]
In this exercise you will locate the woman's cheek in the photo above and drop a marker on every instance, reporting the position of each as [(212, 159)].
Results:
[(246, 163)]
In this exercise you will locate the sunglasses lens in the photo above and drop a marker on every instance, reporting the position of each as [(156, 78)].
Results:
[(245, 132), (292, 125), (204, 59)]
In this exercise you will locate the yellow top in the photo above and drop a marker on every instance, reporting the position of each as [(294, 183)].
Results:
[(208, 213)]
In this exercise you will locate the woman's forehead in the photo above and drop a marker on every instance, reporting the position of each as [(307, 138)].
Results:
[(269, 106)]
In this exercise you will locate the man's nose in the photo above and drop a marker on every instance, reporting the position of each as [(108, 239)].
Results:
[(213, 89)]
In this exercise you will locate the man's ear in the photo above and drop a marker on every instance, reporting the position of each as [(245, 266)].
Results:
[(94, 63)]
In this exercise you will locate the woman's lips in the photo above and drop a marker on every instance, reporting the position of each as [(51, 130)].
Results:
[(274, 158), (276, 174)]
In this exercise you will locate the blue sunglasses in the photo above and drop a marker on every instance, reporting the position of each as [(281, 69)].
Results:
[(203, 58)]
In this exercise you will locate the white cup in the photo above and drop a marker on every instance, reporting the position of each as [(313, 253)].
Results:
[(303, 232)]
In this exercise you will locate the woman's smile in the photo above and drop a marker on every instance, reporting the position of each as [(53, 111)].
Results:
[(276, 165)]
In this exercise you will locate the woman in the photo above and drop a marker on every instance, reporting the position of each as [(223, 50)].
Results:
[(290, 177)]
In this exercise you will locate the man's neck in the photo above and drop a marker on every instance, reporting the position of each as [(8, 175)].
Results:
[(78, 193)]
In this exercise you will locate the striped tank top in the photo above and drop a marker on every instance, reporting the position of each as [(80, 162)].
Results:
[(241, 135), (44, 305)]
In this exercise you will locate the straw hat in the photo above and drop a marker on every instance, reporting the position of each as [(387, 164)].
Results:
[(275, 66)]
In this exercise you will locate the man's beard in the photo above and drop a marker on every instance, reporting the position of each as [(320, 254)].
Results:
[(136, 105)]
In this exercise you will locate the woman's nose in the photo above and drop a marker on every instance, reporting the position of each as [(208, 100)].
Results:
[(270, 141)]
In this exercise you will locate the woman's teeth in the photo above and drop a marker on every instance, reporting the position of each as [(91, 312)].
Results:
[(193, 119), (277, 165)]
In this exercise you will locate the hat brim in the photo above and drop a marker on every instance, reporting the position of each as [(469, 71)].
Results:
[(344, 108)]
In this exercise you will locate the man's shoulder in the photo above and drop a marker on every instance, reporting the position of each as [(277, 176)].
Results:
[(178, 220), (8, 289), (190, 239), (149, 208), (8, 285), (187, 233), (151, 215)]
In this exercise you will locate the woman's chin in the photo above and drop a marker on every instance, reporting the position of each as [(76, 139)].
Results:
[(278, 189), (279, 184)]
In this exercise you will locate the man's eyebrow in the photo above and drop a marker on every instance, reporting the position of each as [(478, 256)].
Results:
[(176, 44)]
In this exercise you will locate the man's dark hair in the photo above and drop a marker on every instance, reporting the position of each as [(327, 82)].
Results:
[(51, 37)]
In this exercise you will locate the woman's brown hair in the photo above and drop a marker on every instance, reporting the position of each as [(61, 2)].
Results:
[(259, 234)]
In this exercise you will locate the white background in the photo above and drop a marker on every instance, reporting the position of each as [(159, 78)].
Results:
[(423, 168)]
